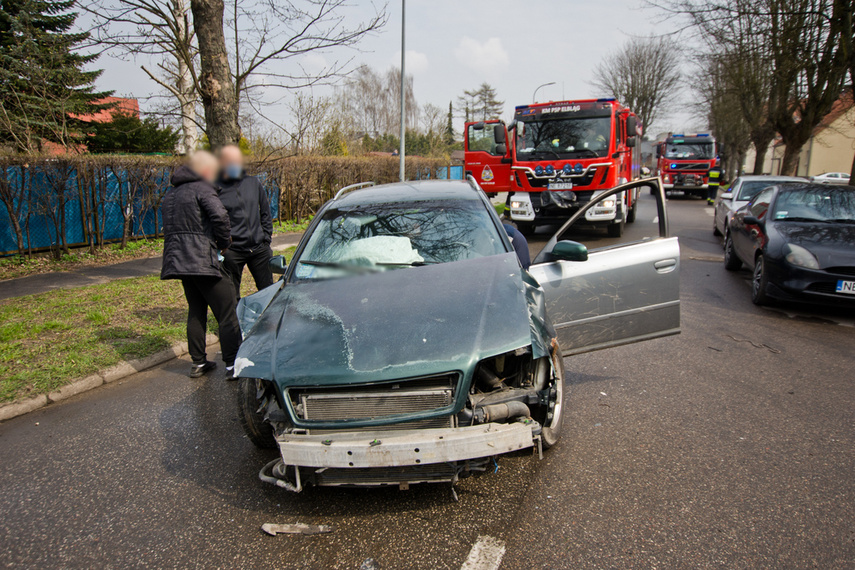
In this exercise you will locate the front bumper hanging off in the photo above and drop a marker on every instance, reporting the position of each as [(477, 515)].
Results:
[(393, 452)]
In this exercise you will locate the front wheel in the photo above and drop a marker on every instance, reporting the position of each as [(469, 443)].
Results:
[(616, 230), (555, 408), (526, 228), (731, 261), (759, 282), (630, 217), (252, 394)]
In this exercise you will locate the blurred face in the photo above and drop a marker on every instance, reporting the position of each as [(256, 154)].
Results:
[(231, 159), (205, 165)]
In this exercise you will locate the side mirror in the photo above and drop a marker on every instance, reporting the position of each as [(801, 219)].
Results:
[(502, 149), (630, 142), (658, 152), (512, 126), (751, 221), (631, 126), (570, 251), (499, 134), (277, 264), (727, 196)]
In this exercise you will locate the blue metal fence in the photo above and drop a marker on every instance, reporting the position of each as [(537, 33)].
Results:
[(42, 197)]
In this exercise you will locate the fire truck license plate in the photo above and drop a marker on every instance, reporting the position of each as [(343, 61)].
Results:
[(847, 287), (560, 186)]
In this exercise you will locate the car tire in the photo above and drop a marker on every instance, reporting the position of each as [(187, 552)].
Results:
[(630, 217), (715, 231), (731, 261), (259, 431), (551, 431), (616, 230), (759, 282), (526, 228)]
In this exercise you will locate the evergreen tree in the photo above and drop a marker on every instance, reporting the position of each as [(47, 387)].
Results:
[(42, 81), (481, 104), (449, 126), (127, 133)]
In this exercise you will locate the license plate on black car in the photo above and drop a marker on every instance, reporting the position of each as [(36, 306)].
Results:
[(846, 287)]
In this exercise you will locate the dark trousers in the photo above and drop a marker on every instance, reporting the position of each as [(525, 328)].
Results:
[(712, 192), (217, 293), (257, 259)]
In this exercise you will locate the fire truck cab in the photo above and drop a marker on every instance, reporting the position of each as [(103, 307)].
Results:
[(556, 157), (684, 162)]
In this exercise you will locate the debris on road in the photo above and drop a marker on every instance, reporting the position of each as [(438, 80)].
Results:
[(296, 528)]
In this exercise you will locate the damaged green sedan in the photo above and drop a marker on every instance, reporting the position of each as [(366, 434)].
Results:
[(406, 344)]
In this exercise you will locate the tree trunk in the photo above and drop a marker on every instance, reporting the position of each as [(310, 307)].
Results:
[(185, 86), (216, 88), (761, 147), (790, 162)]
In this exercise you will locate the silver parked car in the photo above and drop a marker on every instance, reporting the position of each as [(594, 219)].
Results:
[(831, 178), (739, 194)]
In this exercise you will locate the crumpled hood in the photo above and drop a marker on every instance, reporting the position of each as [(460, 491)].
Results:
[(390, 325), (832, 244), (184, 174)]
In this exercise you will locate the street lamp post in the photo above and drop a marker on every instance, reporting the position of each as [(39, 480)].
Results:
[(534, 96), (401, 169)]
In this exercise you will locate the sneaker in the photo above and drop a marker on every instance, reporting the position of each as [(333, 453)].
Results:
[(198, 370), (230, 373), (710, 202)]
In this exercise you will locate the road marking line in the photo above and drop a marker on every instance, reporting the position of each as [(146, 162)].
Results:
[(656, 220), (486, 554)]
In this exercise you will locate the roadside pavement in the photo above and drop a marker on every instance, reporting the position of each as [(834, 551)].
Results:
[(97, 274)]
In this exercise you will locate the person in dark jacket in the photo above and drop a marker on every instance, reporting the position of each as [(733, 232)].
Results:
[(252, 226), (520, 245), (195, 227)]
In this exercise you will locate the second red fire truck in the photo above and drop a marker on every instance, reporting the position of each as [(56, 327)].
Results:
[(684, 162), (556, 157)]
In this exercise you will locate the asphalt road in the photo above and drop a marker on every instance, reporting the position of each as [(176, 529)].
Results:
[(729, 446)]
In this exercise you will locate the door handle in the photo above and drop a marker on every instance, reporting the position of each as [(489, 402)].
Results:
[(665, 265)]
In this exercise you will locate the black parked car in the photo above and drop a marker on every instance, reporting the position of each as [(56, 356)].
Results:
[(800, 240)]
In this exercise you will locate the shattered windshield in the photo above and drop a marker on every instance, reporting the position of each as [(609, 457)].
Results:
[(693, 151), (377, 237), (564, 138)]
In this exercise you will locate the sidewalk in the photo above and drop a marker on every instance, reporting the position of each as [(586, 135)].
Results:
[(96, 274)]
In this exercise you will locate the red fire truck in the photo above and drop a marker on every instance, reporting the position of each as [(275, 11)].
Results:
[(555, 157), (684, 162)]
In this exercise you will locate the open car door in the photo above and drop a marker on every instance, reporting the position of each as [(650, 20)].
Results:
[(487, 155), (606, 292)]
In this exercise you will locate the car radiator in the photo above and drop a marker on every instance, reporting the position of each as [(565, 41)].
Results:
[(378, 403)]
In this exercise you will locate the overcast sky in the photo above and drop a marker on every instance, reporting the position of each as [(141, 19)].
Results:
[(452, 45)]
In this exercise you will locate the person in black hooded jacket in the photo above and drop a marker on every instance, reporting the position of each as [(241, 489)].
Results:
[(195, 227), (252, 225)]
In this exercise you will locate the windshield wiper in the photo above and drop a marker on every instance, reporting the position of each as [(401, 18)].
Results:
[(800, 219), (841, 221), (596, 155), (408, 263)]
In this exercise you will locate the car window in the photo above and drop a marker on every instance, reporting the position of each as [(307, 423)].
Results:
[(760, 205), (483, 139), (377, 237), (751, 188), (816, 203)]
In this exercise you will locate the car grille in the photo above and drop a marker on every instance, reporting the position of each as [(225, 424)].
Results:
[(849, 271), (828, 287), (691, 166), (380, 401)]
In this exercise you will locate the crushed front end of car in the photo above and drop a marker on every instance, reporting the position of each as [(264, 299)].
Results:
[(393, 378)]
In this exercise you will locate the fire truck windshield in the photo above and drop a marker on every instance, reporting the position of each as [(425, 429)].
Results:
[(692, 151), (563, 138)]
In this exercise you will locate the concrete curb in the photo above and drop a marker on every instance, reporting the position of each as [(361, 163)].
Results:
[(121, 370)]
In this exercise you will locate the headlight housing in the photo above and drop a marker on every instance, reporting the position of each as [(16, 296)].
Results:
[(800, 257)]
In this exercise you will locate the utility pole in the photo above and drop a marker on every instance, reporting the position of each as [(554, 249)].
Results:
[(401, 159)]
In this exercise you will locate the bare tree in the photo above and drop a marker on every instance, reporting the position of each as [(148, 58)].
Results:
[(644, 75), (309, 115), (163, 30), (368, 102), (807, 46)]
